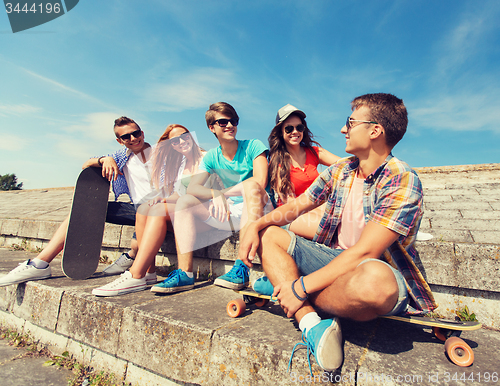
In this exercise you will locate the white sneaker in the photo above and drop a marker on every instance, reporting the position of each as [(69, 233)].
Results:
[(151, 278), (123, 263), (25, 272), (422, 236), (123, 285)]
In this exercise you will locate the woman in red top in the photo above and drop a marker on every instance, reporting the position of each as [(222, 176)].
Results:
[(293, 160)]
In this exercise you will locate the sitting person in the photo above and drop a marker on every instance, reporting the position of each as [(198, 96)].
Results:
[(293, 167), (359, 265), (127, 168), (241, 166), (175, 161)]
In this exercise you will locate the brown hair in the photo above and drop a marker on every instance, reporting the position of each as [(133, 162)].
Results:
[(123, 121), (280, 160), (389, 111), (222, 108), (166, 161)]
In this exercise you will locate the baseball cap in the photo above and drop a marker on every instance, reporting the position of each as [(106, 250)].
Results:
[(286, 111)]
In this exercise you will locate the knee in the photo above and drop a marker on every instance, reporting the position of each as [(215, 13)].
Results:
[(376, 285), (252, 188), (185, 202)]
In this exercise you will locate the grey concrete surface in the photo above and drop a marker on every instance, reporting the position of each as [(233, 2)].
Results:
[(187, 338), (19, 368)]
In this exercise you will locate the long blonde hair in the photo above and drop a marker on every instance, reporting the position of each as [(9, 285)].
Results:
[(166, 161)]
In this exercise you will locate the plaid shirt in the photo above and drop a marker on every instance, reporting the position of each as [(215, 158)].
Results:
[(392, 197), (120, 186)]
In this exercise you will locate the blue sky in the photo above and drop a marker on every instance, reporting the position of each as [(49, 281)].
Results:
[(63, 83)]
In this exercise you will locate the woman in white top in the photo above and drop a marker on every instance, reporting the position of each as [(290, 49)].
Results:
[(175, 159)]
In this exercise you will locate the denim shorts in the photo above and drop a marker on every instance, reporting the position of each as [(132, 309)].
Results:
[(311, 256), (121, 213)]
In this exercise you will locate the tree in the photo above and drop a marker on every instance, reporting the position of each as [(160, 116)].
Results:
[(9, 182)]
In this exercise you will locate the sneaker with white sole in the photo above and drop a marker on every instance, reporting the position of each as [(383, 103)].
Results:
[(25, 272), (324, 341), (237, 278), (177, 281), (123, 263), (123, 285)]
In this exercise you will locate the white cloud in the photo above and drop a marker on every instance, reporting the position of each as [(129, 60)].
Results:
[(94, 127), (195, 90), (464, 112), (12, 142), (18, 110)]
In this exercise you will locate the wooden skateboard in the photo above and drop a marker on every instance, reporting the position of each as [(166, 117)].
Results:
[(447, 331), (82, 247)]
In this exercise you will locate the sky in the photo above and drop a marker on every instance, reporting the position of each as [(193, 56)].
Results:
[(63, 83)]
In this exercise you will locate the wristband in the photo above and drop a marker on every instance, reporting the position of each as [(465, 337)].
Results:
[(296, 294), (99, 161), (303, 286)]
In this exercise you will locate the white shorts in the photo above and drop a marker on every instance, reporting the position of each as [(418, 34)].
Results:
[(236, 211)]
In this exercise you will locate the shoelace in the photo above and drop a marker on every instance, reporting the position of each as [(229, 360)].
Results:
[(174, 275), (237, 271), (310, 349)]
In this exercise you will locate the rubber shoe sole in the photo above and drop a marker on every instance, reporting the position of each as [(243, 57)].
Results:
[(170, 290)]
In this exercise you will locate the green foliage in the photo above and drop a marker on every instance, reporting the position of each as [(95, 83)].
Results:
[(9, 182), (464, 315)]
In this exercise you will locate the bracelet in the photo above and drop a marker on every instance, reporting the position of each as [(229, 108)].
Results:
[(295, 293), (303, 286), (99, 161), (213, 194)]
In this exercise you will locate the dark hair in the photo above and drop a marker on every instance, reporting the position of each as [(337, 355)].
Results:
[(123, 121), (280, 160), (166, 161), (389, 111)]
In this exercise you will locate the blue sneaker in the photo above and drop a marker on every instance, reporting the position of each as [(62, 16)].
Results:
[(175, 282), (263, 286), (324, 340), (236, 278)]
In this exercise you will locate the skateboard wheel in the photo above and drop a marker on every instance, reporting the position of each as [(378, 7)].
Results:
[(236, 308), (459, 352), (261, 302)]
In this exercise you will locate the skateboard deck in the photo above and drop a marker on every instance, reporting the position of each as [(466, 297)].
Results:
[(82, 247), (447, 331)]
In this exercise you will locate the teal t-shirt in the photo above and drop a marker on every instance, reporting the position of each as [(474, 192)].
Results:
[(237, 170)]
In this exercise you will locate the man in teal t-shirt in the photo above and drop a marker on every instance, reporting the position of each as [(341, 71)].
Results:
[(237, 199)]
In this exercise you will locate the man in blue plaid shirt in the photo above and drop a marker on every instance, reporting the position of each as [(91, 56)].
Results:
[(356, 260), (128, 168)]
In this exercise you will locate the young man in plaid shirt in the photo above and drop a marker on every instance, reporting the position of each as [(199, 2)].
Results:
[(357, 261)]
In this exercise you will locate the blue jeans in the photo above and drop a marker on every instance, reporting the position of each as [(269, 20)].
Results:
[(311, 256)]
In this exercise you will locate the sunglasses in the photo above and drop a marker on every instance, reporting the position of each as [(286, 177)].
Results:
[(300, 128), (135, 134), (185, 137), (223, 122), (349, 121)]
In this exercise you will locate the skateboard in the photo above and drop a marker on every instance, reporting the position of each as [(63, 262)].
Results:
[(82, 247), (448, 331)]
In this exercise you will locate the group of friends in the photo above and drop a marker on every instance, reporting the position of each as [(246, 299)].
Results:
[(339, 243)]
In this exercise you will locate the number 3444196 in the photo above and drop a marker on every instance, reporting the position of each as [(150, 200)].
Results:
[(33, 8)]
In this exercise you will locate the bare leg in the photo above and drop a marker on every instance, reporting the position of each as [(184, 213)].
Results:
[(279, 265), (369, 291), (191, 213), (56, 243), (150, 237)]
